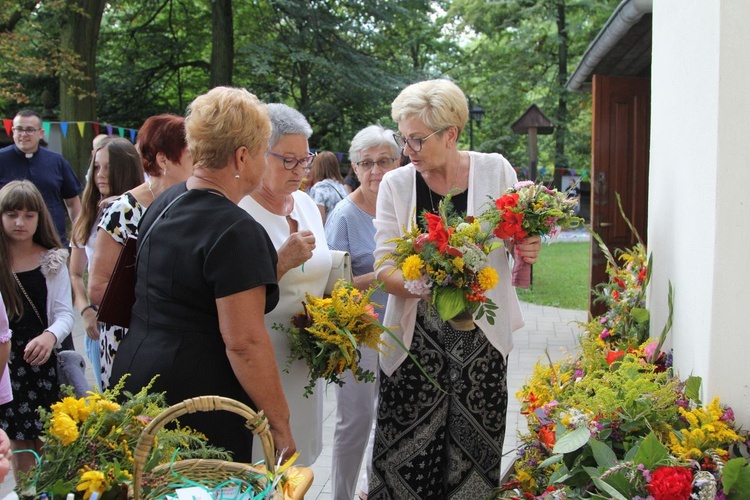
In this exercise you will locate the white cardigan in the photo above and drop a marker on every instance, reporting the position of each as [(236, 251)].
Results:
[(490, 175), (59, 302)]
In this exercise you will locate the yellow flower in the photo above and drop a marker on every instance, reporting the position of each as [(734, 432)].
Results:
[(74, 408), (91, 481), (487, 278), (105, 404), (64, 428), (459, 263), (412, 267)]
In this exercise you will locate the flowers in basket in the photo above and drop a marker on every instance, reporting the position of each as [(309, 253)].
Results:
[(528, 209), (330, 331), (446, 257), (89, 446), (616, 422)]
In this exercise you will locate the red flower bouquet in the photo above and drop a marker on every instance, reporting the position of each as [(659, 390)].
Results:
[(528, 209)]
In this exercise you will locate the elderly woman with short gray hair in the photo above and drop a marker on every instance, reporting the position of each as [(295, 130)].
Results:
[(292, 221), (373, 152)]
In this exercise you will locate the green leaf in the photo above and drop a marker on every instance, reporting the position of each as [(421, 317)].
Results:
[(592, 472), (550, 461), (741, 487), (602, 485), (639, 314), (450, 302), (651, 452), (560, 475), (572, 441), (692, 388), (603, 454), (732, 472)]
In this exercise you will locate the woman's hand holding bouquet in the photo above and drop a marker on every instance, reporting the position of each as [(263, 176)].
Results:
[(529, 209)]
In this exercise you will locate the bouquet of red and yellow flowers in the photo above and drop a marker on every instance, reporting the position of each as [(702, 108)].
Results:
[(330, 331), (529, 209), (447, 258)]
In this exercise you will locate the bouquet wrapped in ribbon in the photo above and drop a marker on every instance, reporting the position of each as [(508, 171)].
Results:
[(447, 258), (529, 209), (329, 333)]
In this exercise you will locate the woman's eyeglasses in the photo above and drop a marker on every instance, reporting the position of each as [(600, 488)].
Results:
[(383, 163), (291, 163), (414, 143)]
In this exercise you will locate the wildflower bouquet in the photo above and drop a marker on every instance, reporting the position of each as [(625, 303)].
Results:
[(615, 422), (329, 333), (529, 209), (447, 258), (89, 443)]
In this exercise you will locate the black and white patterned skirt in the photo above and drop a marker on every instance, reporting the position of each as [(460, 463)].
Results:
[(433, 445)]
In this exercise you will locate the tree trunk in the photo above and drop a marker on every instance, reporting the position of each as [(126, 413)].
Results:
[(222, 46), (79, 35), (561, 130)]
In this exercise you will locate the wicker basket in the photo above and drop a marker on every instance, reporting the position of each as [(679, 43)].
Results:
[(214, 472)]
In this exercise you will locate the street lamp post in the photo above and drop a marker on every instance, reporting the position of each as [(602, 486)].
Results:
[(476, 114)]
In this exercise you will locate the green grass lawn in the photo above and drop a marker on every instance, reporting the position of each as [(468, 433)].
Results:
[(560, 277)]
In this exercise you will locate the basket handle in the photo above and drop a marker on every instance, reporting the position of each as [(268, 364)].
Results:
[(256, 422)]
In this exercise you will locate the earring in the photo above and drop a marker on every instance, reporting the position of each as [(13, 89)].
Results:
[(237, 175)]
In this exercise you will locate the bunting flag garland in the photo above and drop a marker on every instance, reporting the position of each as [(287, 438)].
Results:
[(81, 125)]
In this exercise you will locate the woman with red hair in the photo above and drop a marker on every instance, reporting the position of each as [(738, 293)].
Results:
[(163, 149)]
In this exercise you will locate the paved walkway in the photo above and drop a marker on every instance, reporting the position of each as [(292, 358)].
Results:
[(547, 329)]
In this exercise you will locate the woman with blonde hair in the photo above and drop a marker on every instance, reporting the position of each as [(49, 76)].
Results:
[(430, 443), (206, 275)]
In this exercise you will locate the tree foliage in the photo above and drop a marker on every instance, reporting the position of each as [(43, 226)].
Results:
[(340, 62)]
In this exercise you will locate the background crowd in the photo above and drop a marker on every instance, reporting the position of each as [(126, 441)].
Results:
[(234, 217)]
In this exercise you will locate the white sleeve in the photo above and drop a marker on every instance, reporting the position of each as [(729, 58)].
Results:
[(60, 305)]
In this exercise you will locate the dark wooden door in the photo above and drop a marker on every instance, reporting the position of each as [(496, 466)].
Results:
[(620, 147)]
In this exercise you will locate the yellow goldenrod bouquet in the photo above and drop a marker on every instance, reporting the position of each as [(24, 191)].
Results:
[(329, 333), (89, 443)]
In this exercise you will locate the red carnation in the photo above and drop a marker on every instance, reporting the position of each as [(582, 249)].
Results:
[(510, 226), (507, 200), (671, 483), (437, 231)]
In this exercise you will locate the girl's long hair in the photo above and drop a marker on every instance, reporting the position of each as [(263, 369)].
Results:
[(125, 173), (326, 166), (22, 195)]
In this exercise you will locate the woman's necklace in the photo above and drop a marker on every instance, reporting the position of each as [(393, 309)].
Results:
[(455, 178), (153, 195), (219, 191)]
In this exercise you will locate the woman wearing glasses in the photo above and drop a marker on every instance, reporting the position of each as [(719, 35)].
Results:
[(373, 152), (292, 221), (429, 443)]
